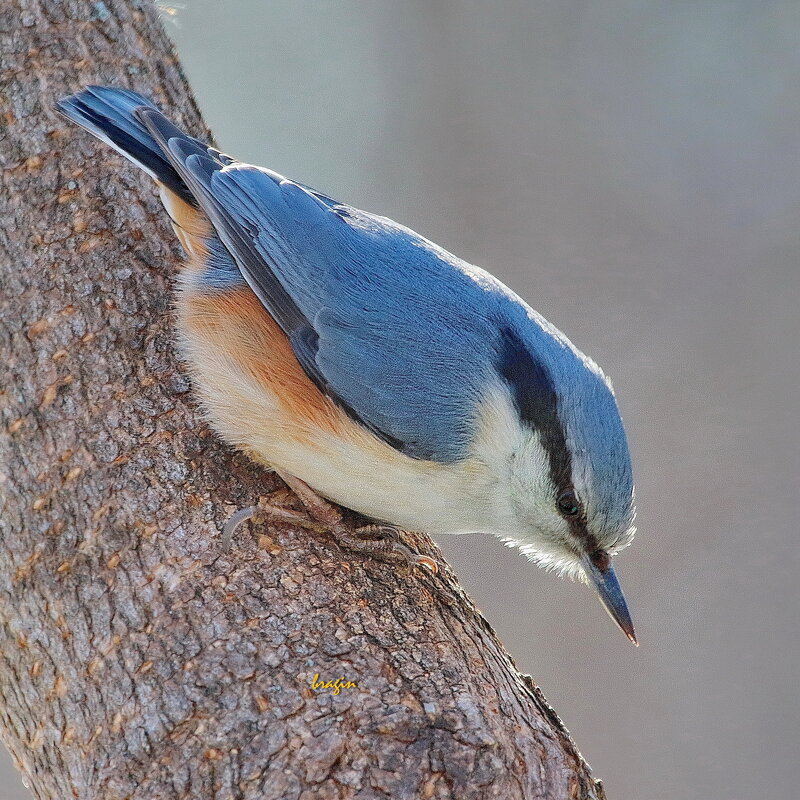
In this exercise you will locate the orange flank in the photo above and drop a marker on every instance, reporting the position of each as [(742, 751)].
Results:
[(235, 323), (252, 386)]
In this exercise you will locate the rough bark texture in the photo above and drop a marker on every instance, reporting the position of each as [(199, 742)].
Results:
[(138, 660)]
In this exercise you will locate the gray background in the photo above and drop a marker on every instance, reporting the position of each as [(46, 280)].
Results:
[(632, 169)]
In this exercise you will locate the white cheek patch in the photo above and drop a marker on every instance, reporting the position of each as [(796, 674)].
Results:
[(498, 429), (514, 454)]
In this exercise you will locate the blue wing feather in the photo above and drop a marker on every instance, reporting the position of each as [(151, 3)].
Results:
[(404, 336)]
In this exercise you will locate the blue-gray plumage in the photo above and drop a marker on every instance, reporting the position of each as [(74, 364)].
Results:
[(434, 357)]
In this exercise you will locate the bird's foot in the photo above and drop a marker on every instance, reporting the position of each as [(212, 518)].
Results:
[(329, 515), (325, 517), (388, 544)]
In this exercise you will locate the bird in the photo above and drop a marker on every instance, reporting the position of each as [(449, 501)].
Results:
[(375, 371)]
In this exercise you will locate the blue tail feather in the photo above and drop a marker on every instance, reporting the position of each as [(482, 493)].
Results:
[(117, 117), (110, 115)]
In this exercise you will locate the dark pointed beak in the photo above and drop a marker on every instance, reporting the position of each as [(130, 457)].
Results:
[(607, 585)]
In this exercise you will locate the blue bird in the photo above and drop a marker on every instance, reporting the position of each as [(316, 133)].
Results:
[(369, 366)]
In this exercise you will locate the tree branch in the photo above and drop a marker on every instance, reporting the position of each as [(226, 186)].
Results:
[(137, 659)]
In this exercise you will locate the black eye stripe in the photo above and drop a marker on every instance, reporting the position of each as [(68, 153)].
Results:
[(536, 400)]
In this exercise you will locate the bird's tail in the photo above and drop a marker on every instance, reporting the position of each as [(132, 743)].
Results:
[(110, 115)]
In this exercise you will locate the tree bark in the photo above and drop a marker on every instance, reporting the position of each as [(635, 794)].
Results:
[(137, 659)]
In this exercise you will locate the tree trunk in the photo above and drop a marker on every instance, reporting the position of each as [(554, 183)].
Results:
[(138, 659)]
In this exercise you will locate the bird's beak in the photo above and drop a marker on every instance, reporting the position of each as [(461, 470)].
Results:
[(607, 585)]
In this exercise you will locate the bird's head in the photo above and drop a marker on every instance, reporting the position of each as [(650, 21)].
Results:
[(568, 468)]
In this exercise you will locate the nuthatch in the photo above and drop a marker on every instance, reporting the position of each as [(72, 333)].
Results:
[(369, 366)]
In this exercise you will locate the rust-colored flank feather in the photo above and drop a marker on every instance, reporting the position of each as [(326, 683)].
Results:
[(237, 323), (230, 331)]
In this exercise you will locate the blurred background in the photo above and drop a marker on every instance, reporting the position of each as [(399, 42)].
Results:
[(632, 169)]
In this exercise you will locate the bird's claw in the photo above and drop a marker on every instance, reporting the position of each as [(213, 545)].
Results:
[(390, 543)]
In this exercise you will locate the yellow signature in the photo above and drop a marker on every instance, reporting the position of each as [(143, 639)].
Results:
[(336, 686)]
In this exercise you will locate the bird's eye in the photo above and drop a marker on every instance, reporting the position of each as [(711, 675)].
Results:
[(568, 504)]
